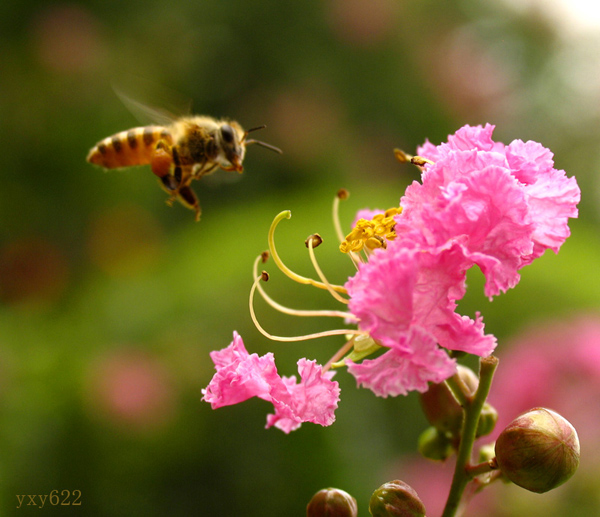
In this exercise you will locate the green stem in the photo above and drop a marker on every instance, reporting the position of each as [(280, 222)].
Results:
[(472, 409)]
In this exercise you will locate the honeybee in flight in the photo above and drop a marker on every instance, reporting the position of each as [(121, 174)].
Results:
[(178, 152)]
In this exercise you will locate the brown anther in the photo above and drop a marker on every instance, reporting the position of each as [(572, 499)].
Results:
[(314, 239), (264, 256), (264, 276), (343, 194), (401, 156), (419, 161)]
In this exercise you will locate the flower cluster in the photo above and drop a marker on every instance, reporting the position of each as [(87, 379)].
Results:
[(480, 203)]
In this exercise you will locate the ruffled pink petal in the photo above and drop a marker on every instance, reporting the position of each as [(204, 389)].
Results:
[(240, 375), (406, 368), (401, 288), (508, 200), (314, 399), (465, 139), (381, 293)]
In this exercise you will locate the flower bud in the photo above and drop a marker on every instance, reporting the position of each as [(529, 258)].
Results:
[(435, 445), (441, 408), (538, 451), (396, 499), (332, 502), (487, 420)]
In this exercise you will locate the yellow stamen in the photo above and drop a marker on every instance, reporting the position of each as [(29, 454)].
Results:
[(286, 214), (371, 234)]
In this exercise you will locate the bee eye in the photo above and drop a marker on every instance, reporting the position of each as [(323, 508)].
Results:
[(227, 133)]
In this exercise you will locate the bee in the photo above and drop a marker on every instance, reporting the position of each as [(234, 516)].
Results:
[(178, 153)]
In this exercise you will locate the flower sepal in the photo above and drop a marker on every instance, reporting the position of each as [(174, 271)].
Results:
[(363, 346)]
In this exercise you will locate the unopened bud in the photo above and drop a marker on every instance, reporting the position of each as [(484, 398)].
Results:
[(332, 502), (435, 445), (538, 451), (396, 499), (441, 409), (487, 420)]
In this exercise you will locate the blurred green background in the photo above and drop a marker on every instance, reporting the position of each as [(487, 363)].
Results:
[(111, 301)]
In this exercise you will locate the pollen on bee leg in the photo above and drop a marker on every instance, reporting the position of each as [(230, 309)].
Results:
[(161, 161)]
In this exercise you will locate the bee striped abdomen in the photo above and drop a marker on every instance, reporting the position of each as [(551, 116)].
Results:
[(127, 148)]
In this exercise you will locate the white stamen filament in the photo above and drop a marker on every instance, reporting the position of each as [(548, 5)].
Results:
[(297, 312), (339, 354), (313, 258), (305, 337), (338, 227), (286, 214), (336, 218)]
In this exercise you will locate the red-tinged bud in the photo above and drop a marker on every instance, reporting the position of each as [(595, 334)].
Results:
[(441, 408), (396, 499), (435, 445), (538, 451), (332, 502)]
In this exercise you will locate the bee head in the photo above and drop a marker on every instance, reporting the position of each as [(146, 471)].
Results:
[(232, 142)]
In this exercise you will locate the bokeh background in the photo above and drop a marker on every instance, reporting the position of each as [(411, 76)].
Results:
[(110, 301)]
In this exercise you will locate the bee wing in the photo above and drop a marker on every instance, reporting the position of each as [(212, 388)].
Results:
[(175, 105)]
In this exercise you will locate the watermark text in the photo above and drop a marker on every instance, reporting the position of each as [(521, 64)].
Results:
[(54, 498)]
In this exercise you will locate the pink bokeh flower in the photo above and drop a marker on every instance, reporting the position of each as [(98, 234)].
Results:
[(241, 375)]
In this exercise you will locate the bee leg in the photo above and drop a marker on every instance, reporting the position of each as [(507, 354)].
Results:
[(169, 185), (178, 173), (187, 197)]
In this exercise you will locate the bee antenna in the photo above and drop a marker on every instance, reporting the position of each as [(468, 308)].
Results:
[(256, 128), (252, 129), (263, 144)]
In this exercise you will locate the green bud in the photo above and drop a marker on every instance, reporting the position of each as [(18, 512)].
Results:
[(538, 451), (441, 409), (487, 420), (435, 445), (486, 453), (332, 502), (396, 499)]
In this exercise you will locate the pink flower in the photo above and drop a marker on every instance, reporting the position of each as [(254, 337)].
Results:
[(480, 203), (405, 299), (241, 376), (507, 204)]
